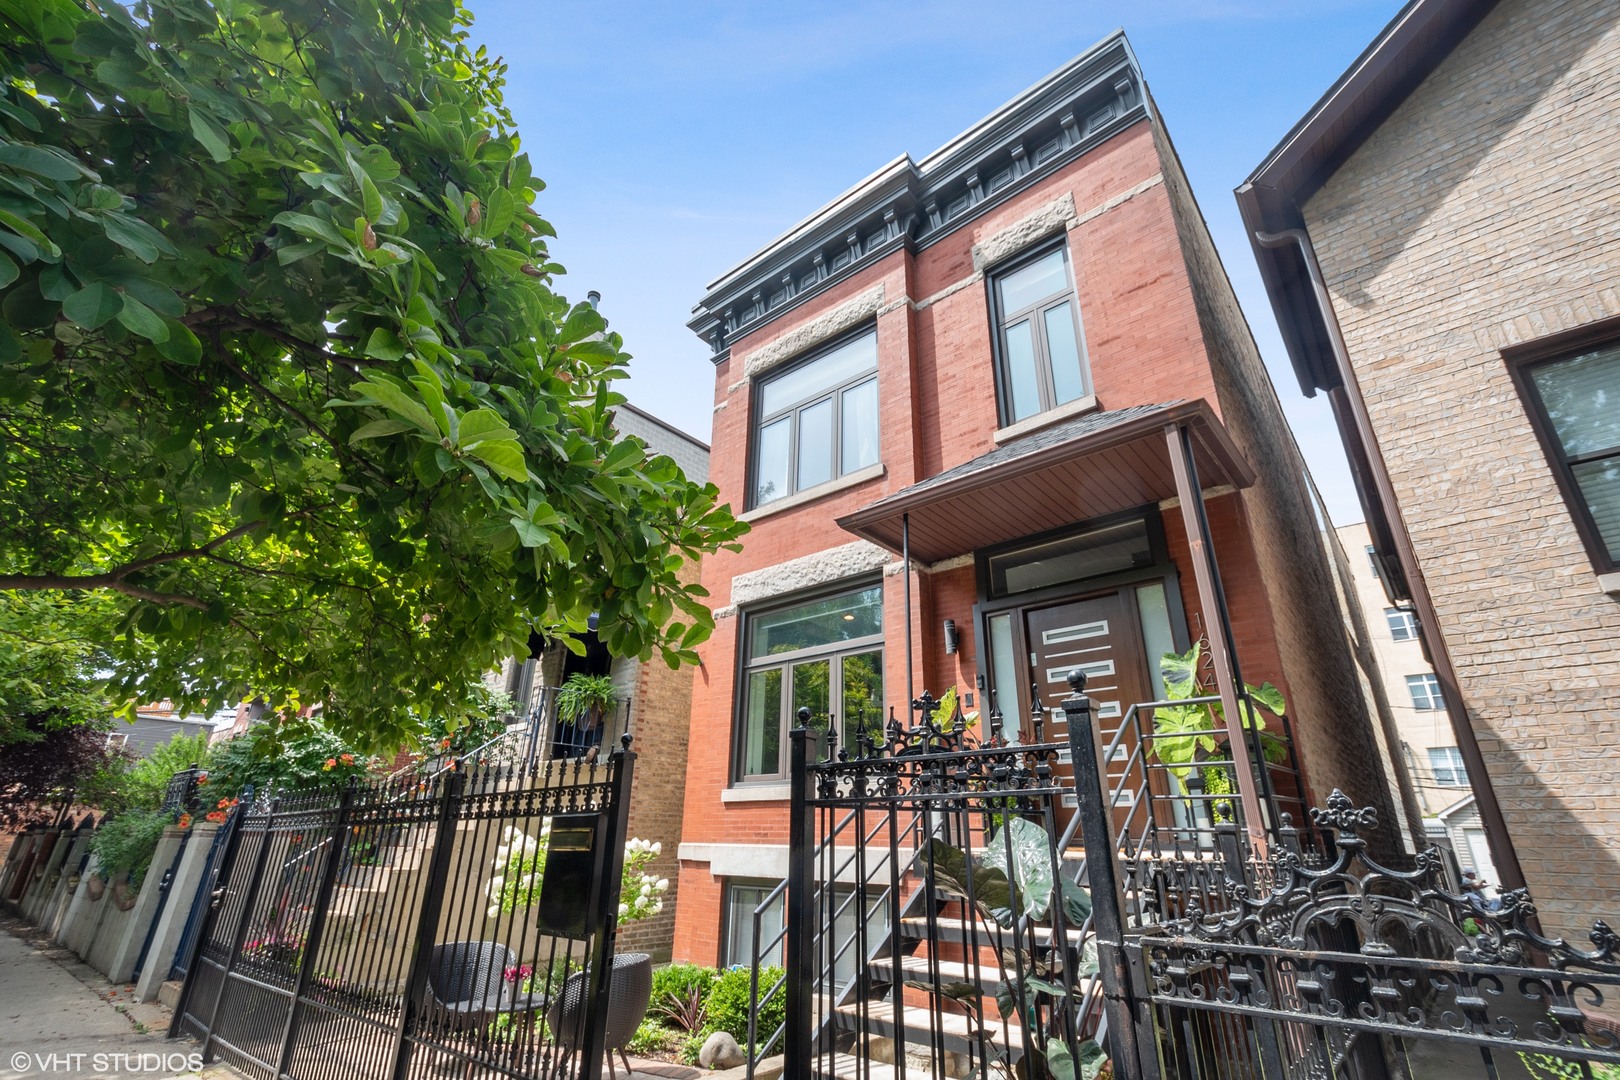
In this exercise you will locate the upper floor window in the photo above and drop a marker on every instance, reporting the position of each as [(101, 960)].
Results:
[(1425, 691), (1447, 765), (1402, 624), (824, 655), (1040, 351), (817, 421), (1575, 406)]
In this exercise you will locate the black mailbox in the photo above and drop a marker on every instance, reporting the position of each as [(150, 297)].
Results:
[(568, 889)]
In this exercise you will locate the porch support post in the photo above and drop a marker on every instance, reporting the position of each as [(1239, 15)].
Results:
[(1212, 598)]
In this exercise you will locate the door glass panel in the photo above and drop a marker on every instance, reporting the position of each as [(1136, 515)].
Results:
[(1023, 382), (811, 691), (1004, 674), (1105, 550), (1156, 634), (862, 694), (762, 724), (815, 444), (1040, 279), (859, 427), (771, 474), (1068, 381)]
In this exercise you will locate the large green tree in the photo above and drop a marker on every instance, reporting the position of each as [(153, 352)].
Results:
[(283, 369)]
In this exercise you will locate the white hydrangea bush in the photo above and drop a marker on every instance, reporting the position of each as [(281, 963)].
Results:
[(520, 863)]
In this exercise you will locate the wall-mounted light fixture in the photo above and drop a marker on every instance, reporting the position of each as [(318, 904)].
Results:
[(951, 638)]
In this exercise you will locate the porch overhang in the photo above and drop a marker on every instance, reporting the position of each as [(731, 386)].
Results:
[(1098, 464)]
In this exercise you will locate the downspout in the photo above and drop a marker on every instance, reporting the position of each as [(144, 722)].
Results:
[(1509, 872), (905, 559)]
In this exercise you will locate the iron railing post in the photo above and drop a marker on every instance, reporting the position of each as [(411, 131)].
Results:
[(239, 937), (335, 846), (800, 916), (427, 925), (610, 875), (1127, 1048)]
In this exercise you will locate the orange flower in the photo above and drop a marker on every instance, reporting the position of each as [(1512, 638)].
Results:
[(347, 759), (216, 816), (185, 821), (225, 802), (331, 763)]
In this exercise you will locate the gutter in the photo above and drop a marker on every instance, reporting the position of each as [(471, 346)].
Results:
[(1509, 873)]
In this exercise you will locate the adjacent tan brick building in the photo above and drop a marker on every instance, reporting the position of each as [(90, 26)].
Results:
[(1457, 191)]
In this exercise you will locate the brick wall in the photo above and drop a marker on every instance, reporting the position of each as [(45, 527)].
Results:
[(1304, 631), (1482, 215)]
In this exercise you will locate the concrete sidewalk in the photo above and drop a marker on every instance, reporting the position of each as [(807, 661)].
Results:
[(61, 1018)]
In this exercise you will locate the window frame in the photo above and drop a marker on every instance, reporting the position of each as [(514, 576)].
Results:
[(1407, 620), (759, 420), (728, 924), (1000, 320), (1521, 361), (1431, 685), (1454, 766), (831, 652)]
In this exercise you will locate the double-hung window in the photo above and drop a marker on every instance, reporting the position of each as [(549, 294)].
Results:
[(1040, 353), (1425, 691), (1447, 765), (818, 420), (1575, 404), (825, 655), (1402, 624)]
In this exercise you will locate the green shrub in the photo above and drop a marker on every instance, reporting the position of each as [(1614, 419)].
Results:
[(125, 844), (652, 1038), (692, 1047), (728, 1005), (678, 995)]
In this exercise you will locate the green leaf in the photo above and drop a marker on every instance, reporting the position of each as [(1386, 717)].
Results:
[(92, 305), (213, 137), (8, 271), (370, 198), (396, 400), (582, 322), (505, 456), (48, 162), (26, 229), (1269, 697), (378, 428), (142, 320), (137, 237), (181, 346), (384, 344), (481, 425), (1022, 851)]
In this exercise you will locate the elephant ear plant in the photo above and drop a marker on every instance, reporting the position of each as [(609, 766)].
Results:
[(1012, 886), (1189, 734)]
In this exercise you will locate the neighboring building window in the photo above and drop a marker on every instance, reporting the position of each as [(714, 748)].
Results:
[(1041, 353), (742, 899), (1575, 404), (825, 655), (1447, 765), (1402, 624), (1372, 559), (818, 420), (117, 740), (1425, 690)]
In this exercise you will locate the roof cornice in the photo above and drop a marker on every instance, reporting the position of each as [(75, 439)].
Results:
[(912, 204)]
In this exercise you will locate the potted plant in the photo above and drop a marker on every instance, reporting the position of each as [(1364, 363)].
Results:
[(584, 700)]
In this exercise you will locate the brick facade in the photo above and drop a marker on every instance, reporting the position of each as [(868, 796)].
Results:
[(1479, 216), (1159, 326)]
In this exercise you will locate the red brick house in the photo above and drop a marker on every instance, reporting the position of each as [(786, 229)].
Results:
[(1019, 362)]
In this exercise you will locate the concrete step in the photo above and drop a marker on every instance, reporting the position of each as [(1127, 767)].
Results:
[(947, 928), (959, 1033)]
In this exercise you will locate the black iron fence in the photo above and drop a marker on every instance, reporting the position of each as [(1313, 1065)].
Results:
[(463, 921)]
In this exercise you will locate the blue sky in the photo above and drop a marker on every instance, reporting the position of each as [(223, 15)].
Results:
[(677, 138)]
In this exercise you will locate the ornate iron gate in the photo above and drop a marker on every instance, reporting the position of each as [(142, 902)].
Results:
[(387, 931)]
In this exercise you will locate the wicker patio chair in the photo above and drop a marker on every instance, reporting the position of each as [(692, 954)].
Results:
[(468, 991), (628, 998)]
